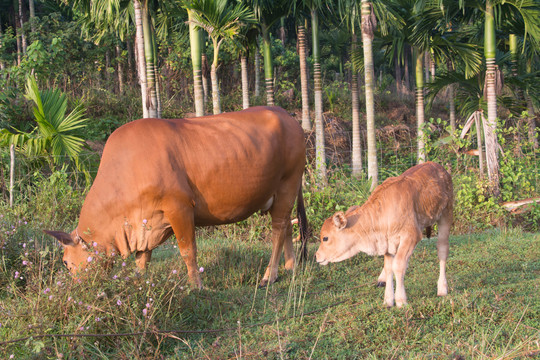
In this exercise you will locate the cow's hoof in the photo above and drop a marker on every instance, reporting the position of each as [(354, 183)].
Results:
[(265, 283), (381, 284)]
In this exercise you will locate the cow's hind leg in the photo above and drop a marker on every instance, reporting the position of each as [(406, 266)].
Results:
[(442, 250), (281, 230)]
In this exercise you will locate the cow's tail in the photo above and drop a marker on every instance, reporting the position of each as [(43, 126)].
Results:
[(302, 224)]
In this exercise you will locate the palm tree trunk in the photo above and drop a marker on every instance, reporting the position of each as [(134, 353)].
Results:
[(204, 68), (11, 173), (268, 66), (257, 71), (478, 117), (530, 109), (427, 64), (32, 15), (356, 144), (215, 82), (513, 45), (157, 73), (406, 76), (490, 126), (282, 35), (319, 124), (130, 57), (139, 42), (148, 34), (21, 20), (306, 122), (196, 61), (369, 23), (245, 82), (215, 90), (2, 66), (119, 69), (399, 84), (107, 66), (452, 103), (432, 66), (420, 105)]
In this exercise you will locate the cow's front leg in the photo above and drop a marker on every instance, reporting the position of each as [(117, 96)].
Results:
[(288, 249), (142, 258)]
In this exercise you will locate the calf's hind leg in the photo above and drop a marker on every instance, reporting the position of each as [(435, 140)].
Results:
[(442, 251)]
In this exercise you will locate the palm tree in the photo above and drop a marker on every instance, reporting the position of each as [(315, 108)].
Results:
[(306, 121), (419, 77), (434, 27), (349, 12), (221, 20), (267, 13), (150, 61), (55, 134), (109, 15), (317, 80), (196, 62), (247, 41), (490, 127), (369, 23), (139, 42)]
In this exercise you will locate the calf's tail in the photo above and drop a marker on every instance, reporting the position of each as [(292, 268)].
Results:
[(302, 224)]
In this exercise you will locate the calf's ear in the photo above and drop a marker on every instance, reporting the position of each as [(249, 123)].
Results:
[(64, 238), (340, 220)]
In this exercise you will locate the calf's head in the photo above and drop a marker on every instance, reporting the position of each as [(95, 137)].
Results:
[(76, 253), (337, 244)]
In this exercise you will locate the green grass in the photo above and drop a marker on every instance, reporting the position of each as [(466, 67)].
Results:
[(332, 312)]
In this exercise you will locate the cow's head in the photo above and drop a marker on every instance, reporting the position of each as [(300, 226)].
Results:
[(336, 244), (76, 253)]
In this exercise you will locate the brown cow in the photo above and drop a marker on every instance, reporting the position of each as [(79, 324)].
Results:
[(390, 223), (158, 177)]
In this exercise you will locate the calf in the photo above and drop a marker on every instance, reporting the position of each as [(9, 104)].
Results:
[(390, 223)]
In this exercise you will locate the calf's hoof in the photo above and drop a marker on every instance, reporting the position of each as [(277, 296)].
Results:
[(381, 284)]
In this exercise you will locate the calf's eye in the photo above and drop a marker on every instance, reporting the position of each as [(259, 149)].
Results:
[(325, 238)]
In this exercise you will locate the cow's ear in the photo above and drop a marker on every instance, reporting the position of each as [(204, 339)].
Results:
[(340, 220), (64, 238)]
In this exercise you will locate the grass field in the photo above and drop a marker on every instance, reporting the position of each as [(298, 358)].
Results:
[(333, 312)]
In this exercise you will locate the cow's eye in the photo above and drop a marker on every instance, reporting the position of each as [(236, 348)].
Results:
[(325, 238)]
